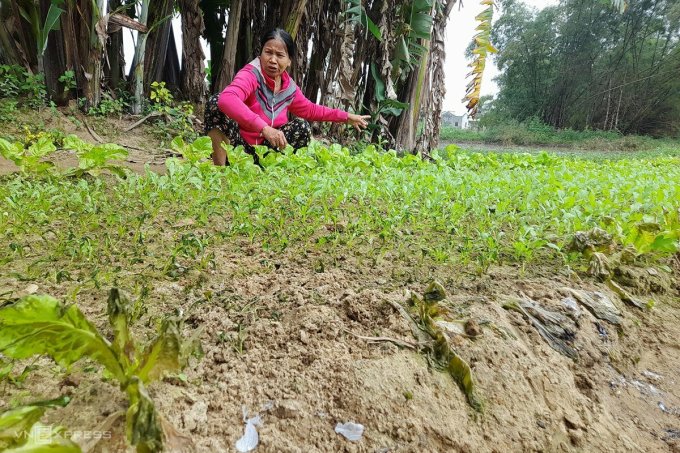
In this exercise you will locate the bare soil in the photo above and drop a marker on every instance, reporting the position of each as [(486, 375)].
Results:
[(279, 338)]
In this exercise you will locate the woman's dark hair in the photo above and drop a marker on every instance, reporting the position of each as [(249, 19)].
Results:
[(283, 35)]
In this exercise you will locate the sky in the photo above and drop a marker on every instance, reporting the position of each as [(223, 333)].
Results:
[(459, 33)]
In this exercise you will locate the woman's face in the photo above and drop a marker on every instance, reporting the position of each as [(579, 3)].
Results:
[(274, 58)]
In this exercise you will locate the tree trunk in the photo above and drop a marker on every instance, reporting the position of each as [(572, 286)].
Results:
[(248, 27), (227, 67), (21, 32), (213, 19), (193, 69), (140, 50), (294, 17), (114, 71), (405, 126), (54, 61), (86, 48), (9, 51), (432, 113), (71, 42), (160, 33)]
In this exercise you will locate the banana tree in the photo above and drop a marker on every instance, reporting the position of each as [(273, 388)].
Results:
[(42, 32), (193, 67), (138, 62)]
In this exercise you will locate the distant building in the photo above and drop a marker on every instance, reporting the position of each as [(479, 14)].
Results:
[(453, 120)]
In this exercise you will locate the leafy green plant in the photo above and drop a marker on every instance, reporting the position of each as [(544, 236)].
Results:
[(94, 159), (42, 325), (29, 160), (175, 117), (195, 152), (160, 96), (470, 209), (17, 82), (68, 79), (34, 88), (8, 109), (109, 106), (11, 79)]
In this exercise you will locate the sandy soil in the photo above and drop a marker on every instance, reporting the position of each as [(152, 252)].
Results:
[(279, 340)]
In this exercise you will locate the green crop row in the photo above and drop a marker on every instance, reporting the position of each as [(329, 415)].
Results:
[(463, 208)]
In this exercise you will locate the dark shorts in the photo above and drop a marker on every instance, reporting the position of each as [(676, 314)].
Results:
[(297, 131)]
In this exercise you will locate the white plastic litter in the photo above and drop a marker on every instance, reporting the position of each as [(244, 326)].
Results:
[(351, 431), (572, 305), (250, 437)]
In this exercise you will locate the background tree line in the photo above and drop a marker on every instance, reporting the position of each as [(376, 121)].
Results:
[(384, 57), (582, 65)]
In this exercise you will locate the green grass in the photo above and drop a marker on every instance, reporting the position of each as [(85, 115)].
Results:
[(663, 150), (535, 133), (470, 209)]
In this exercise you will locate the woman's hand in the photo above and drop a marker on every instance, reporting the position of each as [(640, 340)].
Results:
[(358, 121), (275, 137)]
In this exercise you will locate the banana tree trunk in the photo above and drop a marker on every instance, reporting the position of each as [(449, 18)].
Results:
[(157, 44), (95, 53), (432, 114), (8, 47), (114, 71), (227, 66), (405, 126), (295, 16), (71, 46), (139, 59), (250, 24), (21, 31), (53, 63), (193, 70)]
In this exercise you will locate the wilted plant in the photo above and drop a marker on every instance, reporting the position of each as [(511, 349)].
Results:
[(43, 325), (21, 432)]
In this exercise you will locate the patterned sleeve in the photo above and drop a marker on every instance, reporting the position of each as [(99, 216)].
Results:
[(306, 109)]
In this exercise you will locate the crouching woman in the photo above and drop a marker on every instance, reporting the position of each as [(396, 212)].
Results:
[(253, 109)]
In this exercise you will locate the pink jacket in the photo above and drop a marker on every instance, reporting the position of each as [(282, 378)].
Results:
[(251, 102)]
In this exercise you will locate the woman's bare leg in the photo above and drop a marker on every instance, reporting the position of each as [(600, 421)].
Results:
[(219, 154)]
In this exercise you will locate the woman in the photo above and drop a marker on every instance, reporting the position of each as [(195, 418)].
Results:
[(253, 109)]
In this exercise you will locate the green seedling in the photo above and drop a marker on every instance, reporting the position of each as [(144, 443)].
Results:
[(29, 160), (94, 159), (469, 209)]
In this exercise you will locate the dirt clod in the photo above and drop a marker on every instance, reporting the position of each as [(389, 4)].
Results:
[(472, 328)]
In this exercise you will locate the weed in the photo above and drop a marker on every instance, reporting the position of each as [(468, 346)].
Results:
[(8, 108), (160, 96), (68, 79), (109, 106)]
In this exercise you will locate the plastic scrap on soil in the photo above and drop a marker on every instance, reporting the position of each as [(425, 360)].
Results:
[(554, 327), (597, 303), (250, 439), (351, 431)]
